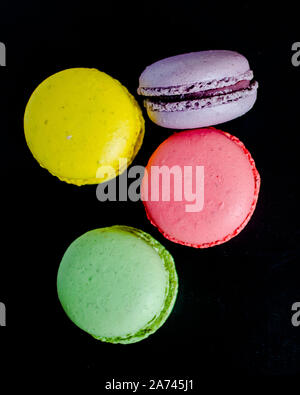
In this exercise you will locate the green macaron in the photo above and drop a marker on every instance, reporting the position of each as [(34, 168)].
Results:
[(117, 283)]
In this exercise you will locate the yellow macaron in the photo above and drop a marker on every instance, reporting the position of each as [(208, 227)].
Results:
[(80, 124)]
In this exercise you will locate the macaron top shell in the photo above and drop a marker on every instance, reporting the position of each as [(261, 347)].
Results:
[(117, 283), (230, 188), (193, 67), (79, 122)]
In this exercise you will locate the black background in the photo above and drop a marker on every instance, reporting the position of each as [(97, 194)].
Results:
[(233, 312)]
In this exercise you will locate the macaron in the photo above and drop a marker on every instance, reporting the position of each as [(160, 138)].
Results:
[(198, 89), (117, 283), (200, 187), (80, 122)]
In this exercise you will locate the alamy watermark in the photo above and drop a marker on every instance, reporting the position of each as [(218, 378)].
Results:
[(296, 55), (2, 314), (2, 54), (160, 183), (296, 315)]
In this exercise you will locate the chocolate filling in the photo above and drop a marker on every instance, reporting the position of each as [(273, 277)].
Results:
[(241, 85)]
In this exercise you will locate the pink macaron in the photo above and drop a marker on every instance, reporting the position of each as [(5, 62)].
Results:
[(198, 89), (200, 187)]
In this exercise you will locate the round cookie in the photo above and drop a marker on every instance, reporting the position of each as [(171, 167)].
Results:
[(210, 188), (198, 89), (117, 283), (80, 122)]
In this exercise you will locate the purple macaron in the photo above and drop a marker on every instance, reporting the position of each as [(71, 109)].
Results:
[(198, 89)]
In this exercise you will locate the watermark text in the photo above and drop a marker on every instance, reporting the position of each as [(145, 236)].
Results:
[(296, 315), (2, 54), (157, 183), (296, 55), (2, 314)]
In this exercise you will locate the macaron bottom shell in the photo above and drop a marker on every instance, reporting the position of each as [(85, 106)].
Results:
[(121, 287), (206, 116)]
